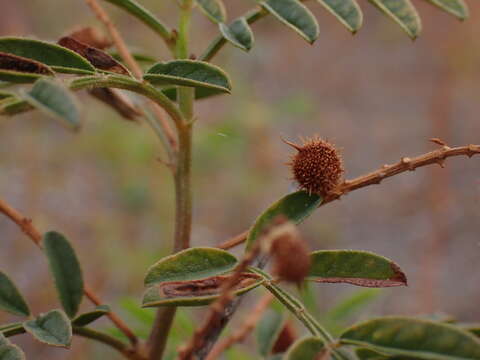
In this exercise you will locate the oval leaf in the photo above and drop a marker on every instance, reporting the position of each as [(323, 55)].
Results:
[(53, 99), (191, 264), (193, 73), (11, 352), (10, 298), (57, 57), (295, 207), (66, 271), (238, 33), (359, 268), (308, 348), (144, 16), (458, 8), (196, 292), (89, 317), (214, 9), (52, 328), (420, 339), (403, 13), (346, 11), (295, 15), (268, 330)]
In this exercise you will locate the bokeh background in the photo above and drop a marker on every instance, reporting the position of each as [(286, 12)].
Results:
[(377, 95)]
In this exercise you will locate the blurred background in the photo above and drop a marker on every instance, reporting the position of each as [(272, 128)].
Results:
[(377, 95)]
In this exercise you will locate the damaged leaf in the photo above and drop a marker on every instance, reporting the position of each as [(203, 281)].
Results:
[(17, 69), (196, 292), (56, 57), (98, 58), (359, 268)]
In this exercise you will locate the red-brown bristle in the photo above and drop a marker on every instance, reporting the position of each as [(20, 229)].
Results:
[(317, 167)]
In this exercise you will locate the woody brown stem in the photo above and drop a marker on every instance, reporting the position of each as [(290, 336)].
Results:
[(376, 177), (245, 329), (26, 225)]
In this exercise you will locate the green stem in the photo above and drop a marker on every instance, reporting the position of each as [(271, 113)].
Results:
[(217, 44), (183, 191)]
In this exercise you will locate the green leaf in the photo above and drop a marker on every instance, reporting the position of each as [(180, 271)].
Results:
[(193, 73), (89, 317), (295, 15), (268, 330), (144, 15), (238, 33), (458, 8), (345, 308), (346, 11), (359, 268), (11, 352), (196, 292), (52, 328), (191, 264), (53, 99), (308, 348), (10, 298), (214, 9), (13, 105), (296, 207), (58, 58), (403, 13), (66, 271), (412, 337)]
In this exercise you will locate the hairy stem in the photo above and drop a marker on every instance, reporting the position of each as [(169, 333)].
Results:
[(374, 178), (183, 191)]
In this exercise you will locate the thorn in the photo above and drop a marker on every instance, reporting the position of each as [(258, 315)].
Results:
[(295, 146), (472, 150), (438, 141), (407, 161)]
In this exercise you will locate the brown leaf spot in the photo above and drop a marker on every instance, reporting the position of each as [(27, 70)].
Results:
[(117, 101), (96, 57), (21, 64), (203, 287)]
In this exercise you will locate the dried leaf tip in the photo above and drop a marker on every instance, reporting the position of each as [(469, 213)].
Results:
[(317, 167)]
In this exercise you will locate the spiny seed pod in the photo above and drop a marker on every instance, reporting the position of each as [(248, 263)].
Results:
[(317, 167)]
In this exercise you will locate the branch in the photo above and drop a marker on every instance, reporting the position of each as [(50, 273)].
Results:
[(245, 329), (26, 225), (405, 164), (200, 339), (132, 64)]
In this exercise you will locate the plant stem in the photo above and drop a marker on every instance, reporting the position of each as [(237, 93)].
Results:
[(183, 191)]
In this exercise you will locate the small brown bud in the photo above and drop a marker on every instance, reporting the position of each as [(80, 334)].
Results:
[(285, 339), (290, 253), (317, 167)]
